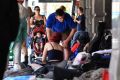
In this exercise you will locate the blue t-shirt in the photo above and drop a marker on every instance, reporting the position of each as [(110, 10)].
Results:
[(58, 26), (81, 26)]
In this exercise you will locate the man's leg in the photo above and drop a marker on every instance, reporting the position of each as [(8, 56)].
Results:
[(66, 50), (17, 55), (76, 35), (66, 53)]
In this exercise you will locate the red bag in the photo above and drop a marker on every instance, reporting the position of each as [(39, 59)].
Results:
[(105, 75), (75, 46)]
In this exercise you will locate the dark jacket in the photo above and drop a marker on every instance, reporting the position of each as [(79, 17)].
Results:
[(9, 22)]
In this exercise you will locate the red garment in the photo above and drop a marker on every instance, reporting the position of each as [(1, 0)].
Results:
[(105, 75), (39, 29), (75, 46)]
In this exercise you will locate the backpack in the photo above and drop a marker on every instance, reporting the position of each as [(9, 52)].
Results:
[(106, 41)]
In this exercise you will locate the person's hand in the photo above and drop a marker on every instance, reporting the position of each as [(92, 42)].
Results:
[(44, 62), (32, 26), (75, 20), (65, 43)]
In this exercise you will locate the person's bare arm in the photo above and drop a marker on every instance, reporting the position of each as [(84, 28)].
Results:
[(44, 21), (41, 46), (86, 46), (78, 21), (49, 32), (37, 46), (65, 42), (31, 22), (44, 54), (28, 25)]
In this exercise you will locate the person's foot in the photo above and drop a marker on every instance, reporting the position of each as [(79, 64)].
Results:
[(16, 67)]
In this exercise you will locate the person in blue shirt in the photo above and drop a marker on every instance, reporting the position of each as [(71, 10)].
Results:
[(62, 22), (81, 35), (80, 20)]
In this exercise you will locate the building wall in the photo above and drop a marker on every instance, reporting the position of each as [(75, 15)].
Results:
[(108, 10), (97, 10), (48, 8), (115, 59), (33, 3)]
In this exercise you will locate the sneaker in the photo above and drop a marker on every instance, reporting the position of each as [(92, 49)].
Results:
[(16, 67)]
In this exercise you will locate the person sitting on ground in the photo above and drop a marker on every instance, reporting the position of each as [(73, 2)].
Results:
[(56, 56), (53, 49), (79, 41)]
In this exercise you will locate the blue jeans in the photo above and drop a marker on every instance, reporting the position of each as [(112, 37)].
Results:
[(82, 37), (75, 37)]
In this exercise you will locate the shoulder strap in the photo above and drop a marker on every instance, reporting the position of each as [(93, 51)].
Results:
[(51, 45)]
